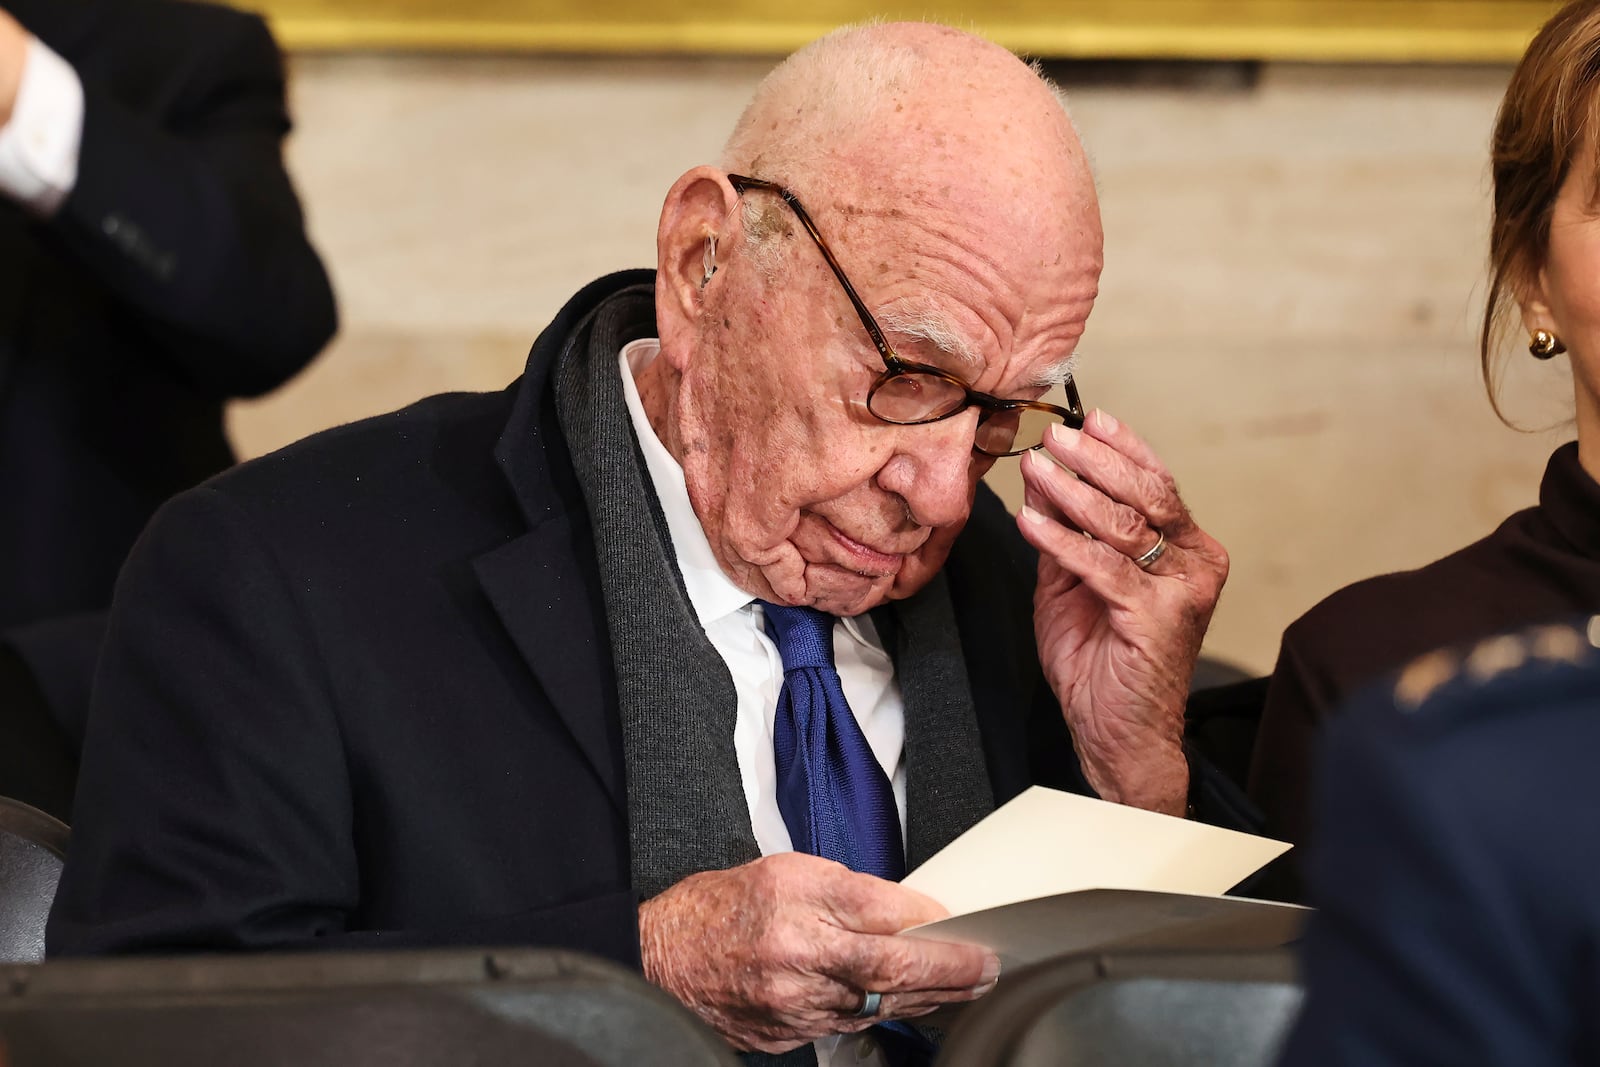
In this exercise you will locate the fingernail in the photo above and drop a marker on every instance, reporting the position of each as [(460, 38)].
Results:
[(1029, 515), (991, 974), (1065, 436), (991, 971), (1104, 421)]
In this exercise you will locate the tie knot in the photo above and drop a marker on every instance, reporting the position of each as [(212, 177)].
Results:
[(804, 636)]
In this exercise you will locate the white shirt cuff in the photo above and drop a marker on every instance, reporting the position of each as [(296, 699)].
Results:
[(39, 146)]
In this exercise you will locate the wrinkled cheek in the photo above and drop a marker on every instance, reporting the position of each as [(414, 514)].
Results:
[(919, 569), (760, 525), (789, 568), (786, 574)]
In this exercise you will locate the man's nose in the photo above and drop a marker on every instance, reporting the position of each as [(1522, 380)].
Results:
[(932, 469)]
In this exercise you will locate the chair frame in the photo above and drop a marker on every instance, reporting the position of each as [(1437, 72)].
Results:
[(41, 828), (990, 1031)]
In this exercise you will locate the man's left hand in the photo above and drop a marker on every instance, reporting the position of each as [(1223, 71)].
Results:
[(1119, 641), (13, 53)]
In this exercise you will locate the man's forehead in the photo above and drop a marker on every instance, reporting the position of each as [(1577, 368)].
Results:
[(1016, 221), (970, 267)]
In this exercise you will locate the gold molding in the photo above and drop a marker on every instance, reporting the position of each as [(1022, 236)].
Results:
[(1445, 31)]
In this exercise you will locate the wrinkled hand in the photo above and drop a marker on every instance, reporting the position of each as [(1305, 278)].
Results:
[(13, 51), (778, 952), (1119, 643)]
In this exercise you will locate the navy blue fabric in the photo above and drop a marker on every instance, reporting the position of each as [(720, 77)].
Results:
[(1454, 865), (835, 798)]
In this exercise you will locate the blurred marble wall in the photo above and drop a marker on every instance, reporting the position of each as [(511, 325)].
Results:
[(1293, 277)]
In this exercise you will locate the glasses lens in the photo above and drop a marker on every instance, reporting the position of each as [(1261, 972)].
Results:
[(1006, 433), (914, 397)]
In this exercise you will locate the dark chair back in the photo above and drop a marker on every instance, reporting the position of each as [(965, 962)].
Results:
[(38, 755), (32, 848), (460, 1007), (1221, 721), (1134, 1009), (1213, 671)]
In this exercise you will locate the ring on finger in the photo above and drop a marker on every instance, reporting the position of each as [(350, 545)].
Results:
[(1154, 553), (870, 1002)]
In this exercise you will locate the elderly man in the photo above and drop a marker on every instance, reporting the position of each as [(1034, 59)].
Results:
[(529, 667)]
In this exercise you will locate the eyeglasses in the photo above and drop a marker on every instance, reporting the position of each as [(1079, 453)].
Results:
[(911, 394)]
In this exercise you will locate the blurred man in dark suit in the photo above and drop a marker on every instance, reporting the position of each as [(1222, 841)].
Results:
[(153, 264), (1456, 864)]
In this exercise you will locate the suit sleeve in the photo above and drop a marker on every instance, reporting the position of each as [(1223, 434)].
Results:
[(192, 220), (1419, 953), (213, 806)]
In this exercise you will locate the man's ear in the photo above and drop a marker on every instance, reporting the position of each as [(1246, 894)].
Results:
[(697, 208)]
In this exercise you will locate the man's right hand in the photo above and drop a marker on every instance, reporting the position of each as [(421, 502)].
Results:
[(13, 53), (778, 952)]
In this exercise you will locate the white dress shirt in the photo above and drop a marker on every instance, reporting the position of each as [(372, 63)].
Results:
[(39, 145), (735, 625)]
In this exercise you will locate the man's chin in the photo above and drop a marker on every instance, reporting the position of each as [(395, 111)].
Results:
[(842, 593), (838, 590)]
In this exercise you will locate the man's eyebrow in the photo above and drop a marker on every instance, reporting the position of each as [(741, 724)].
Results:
[(926, 325), (1058, 372)]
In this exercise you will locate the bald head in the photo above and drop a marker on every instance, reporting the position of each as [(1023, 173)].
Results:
[(883, 103)]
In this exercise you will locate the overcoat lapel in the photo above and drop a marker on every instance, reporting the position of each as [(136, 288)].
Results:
[(597, 546), (543, 584), (541, 598)]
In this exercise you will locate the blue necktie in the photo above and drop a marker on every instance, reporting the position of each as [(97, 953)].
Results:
[(835, 798), (833, 794)]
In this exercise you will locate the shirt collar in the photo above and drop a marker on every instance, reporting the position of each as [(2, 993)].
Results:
[(710, 590), (1571, 500)]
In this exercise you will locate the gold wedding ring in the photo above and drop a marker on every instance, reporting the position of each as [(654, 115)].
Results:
[(1156, 550)]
